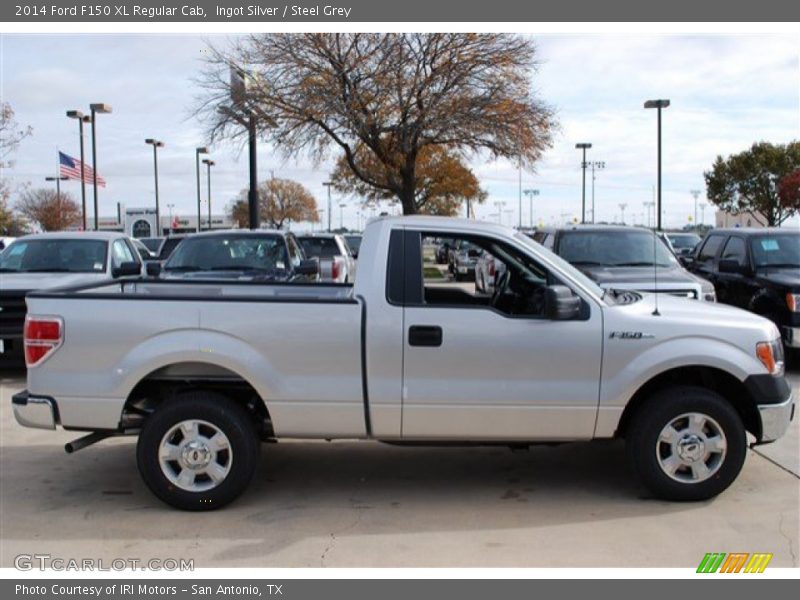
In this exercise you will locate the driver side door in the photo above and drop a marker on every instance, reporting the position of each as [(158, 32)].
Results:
[(474, 372)]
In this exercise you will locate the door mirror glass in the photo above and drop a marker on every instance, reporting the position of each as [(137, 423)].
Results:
[(308, 267), (153, 268), (126, 269)]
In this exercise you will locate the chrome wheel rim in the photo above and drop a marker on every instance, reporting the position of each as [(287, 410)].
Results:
[(195, 455), (691, 448)]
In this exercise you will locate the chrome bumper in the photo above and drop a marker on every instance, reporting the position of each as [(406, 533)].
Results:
[(775, 419), (32, 411), (791, 337)]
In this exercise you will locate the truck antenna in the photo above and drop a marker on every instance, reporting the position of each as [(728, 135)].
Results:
[(655, 275)]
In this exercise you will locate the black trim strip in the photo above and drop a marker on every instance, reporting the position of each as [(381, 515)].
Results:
[(767, 389), (175, 298), (364, 379)]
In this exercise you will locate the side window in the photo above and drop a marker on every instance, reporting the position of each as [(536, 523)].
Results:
[(549, 240), (121, 253), (710, 248), (507, 280), (736, 250)]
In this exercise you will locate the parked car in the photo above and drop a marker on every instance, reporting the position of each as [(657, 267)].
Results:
[(682, 243), (5, 242), (443, 251), (260, 255), (463, 258), (756, 269), (203, 372), (336, 263), (627, 258), (488, 270), (354, 242), (46, 260)]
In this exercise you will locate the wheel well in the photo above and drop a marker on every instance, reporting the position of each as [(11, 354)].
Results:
[(722, 382), (169, 381)]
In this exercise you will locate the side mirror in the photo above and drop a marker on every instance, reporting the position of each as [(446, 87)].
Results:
[(153, 268), (728, 265), (308, 267), (126, 269), (560, 304)]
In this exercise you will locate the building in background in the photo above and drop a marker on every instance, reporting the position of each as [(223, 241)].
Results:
[(745, 219), (141, 223)]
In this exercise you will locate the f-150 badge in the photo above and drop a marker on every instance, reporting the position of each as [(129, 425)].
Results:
[(630, 335)]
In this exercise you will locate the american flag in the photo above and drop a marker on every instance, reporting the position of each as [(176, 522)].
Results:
[(71, 169)]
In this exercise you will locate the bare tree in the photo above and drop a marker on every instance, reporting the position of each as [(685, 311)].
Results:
[(11, 134), (280, 200), (391, 94), (53, 212)]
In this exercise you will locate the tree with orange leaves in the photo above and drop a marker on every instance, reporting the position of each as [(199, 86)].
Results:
[(386, 100), (52, 211), (280, 200)]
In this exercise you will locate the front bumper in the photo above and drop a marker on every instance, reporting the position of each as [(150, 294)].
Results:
[(35, 411), (791, 337), (775, 419)]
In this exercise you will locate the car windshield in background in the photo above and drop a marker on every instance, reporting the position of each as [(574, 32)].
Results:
[(776, 251), (321, 247), (230, 253), (681, 241), (354, 241), (152, 244), (55, 256), (614, 249)]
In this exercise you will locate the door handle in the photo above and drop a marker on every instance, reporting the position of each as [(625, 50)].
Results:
[(425, 335)]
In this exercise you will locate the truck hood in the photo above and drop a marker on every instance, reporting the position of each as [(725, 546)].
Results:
[(41, 281), (785, 276), (609, 276)]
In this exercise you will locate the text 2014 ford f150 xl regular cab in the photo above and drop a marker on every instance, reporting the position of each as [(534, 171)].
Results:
[(203, 370)]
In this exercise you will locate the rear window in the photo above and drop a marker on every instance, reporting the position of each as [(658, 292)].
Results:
[(320, 247), (55, 256), (230, 252)]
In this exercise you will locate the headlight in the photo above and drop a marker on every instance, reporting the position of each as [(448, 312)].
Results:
[(793, 302), (710, 296), (771, 356)]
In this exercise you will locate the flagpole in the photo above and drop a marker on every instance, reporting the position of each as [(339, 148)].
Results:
[(83, 177)]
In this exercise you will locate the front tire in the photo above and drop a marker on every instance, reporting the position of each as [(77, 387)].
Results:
[(198, 451), (686, 443)]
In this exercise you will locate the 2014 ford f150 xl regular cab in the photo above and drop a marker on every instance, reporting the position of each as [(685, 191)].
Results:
[(204, 370)]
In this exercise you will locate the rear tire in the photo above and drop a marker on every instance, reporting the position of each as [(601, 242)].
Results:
[(686, 443), (198, 451)]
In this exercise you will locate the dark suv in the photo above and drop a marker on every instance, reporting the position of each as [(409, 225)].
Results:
[(755, 269)]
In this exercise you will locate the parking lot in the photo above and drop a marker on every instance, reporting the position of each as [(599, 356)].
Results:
[(360, 504)]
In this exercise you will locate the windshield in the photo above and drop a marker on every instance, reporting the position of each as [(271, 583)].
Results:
[(230, 253), (320, 247), (614, 249), (354, 241), (152, 244), (567, 268), (776, 250), (55, 256), (683, 240)]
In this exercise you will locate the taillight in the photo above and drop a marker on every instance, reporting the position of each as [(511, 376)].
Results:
[(42, 336), (335, 269)]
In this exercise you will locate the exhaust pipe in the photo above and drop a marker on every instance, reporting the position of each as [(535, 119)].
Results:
[(86, 440)]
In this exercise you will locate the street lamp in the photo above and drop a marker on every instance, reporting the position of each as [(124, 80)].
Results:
[(622, 207), (209, 163), (156, 144), (696, 195), (530, 194), (648, 206), (703, 212), (328, 185), (658, 104), (170, 207), (583, 146), (197, 152), (58, 181), (97, 107), (76, 114), (599, 165)]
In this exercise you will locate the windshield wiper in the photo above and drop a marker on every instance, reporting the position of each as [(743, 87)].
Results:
[(588, 263), (779, 265), (46, 270), (183, 268)]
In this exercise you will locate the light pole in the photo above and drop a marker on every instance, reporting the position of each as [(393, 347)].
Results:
[(328, 185), (648, 205), (208, 163), (530, 193), (58, 180), (696, 195), (76, 114), (622, 207), (499, 206), (156, 144), (658, 104), (97, 107), (583, 146), (341, 215), (703, 212), (520, 194), (197, 152), (599, 165)]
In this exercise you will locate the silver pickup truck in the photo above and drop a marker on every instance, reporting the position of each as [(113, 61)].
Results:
[(202, 371)]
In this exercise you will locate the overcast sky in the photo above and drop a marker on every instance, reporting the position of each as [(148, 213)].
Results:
[(726, 92)]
